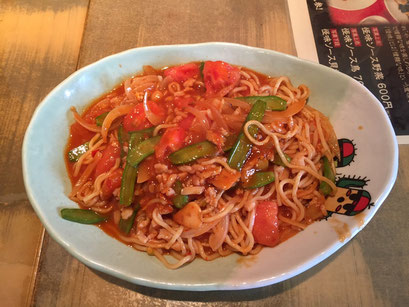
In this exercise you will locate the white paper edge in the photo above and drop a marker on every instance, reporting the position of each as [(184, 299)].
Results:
[(403, 139), (302, 30), (304, 39)]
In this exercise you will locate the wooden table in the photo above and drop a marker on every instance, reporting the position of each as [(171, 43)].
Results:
[(44, 41)]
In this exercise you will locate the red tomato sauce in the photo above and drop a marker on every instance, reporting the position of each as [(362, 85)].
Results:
[(79, 135)]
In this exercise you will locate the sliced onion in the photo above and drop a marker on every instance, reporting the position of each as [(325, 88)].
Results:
[(139, 84), (192, 190), (198, 130), (292, 109), (238, 103), (152, 117), (235, 126), (82, 122), (128, 90), (235, 118), (201, 118), (112, 115), (165, 82), (217, 116), (216, 239), (224, 91), (149, 70), (145, 86), (235, 122), (145, 79), (144, 172), (227, 108)]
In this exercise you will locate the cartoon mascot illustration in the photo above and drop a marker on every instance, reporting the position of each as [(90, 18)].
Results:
[(350, 198)]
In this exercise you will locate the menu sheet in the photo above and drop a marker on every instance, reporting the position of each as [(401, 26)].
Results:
[(365, 39)]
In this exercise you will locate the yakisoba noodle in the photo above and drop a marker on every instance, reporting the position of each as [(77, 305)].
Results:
[(201, 160)]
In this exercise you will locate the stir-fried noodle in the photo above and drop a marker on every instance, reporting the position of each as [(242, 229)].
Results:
[(206, 206)]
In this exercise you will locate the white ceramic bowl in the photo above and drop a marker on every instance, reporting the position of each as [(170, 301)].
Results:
[(355, 113)]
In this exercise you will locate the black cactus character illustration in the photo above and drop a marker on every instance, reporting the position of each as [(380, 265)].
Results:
[(347, 152)]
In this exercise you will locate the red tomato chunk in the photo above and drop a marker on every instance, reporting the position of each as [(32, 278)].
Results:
[(173, 139), (218, 75), (111, 183), (265, 230), (108, 159), (136, 119), (186, 123), (181, 102), (183, 72)]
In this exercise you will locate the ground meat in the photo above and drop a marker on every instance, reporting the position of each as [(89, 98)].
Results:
[(171, 180), (210, 196), (142, 221), (126, 213), (164, 234), (170, 192), (186, 168), (198, 167), (211, 171), (152, 188), (196, 180), (141, 237), (160, 168)]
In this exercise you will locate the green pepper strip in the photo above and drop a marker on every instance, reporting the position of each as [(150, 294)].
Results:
[(242, 148), (126, 225), (122, 138), (259, 180), (75, 153), (82, 216), (193, 152), (179, 200), (140, 135), (140, 150), (278, 161), (325, 188), (273, 103), (230, 141), (177, 186), (127, 185), (99, 120)]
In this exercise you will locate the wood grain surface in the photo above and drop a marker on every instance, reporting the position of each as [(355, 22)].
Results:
[(42, 42), (39, 47)]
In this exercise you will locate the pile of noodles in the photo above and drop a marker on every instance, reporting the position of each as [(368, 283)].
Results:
[(300, 132)]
